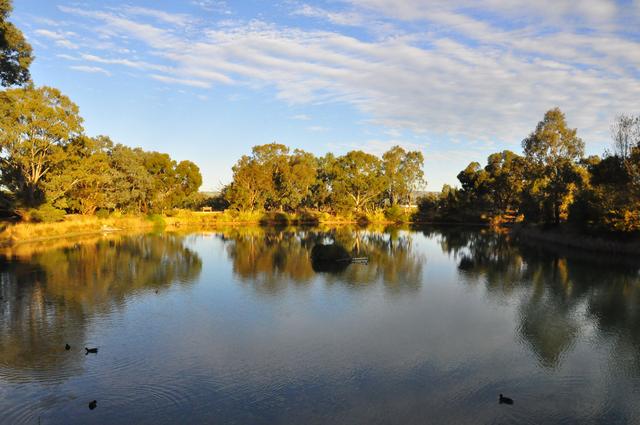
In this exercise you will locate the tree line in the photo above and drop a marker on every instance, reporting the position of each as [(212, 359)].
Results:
[(551, 182), (274, 178), (49, 166)]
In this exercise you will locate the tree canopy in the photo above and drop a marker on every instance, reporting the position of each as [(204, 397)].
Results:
[(15, 51), (273, 178)]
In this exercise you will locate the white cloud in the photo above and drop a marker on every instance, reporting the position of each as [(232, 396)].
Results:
[(457, 78), (183, 81), (317, 128), (218, 6), (301, 117), (60, 38), (91, 69), (338, 18), (179, 19)]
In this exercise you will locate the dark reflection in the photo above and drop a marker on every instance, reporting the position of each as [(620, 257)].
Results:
[(560, 293), (50, 296), (271, 259), (329, 258)]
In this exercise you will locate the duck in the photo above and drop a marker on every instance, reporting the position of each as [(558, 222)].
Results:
[(505, 400), (93, 404), (91, 350), (67, 347)]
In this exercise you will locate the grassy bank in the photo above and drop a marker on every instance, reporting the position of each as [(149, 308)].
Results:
[(78, 225)]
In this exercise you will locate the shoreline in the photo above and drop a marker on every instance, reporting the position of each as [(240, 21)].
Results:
[(570, 238), (78, 226)]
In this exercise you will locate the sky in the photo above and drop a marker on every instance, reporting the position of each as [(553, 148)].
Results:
[(206, 80)]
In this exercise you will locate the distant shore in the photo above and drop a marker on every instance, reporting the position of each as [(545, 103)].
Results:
[(571, 238)]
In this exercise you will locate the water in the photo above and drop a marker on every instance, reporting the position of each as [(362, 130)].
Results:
[(237, 327)]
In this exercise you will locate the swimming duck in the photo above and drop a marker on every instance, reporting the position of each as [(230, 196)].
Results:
[(505, 400), (93, 404), (67, 347), (91, 350)]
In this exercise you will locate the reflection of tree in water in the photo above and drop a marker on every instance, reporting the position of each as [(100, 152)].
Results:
[(553, 288), (49, 297), (270, 259)]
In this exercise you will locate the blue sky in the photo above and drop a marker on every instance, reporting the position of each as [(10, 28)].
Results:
[(206, 80)]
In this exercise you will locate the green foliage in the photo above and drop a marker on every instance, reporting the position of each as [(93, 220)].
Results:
[(157, 219), (46, 159), (46, 214), (274, 179), (36, 127), (552, 153), (15, 51), (396, 213), (403, 173), (102, 213)]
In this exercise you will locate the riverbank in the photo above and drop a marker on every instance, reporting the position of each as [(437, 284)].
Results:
[(78, 225), (569, 237)]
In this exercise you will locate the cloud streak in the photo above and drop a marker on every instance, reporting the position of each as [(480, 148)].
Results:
[(457, 77)]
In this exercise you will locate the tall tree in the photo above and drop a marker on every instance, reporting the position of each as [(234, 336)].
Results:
[(358, 180), (552, 151), (403, 171), (505, 171), (36, 124), (15, 52), (247, 191), (625, 132), (274, 159), (297, 179)]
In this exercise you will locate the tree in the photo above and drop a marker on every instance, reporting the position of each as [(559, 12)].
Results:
[(15, 52), (358, 180), (403, 172), (36, 124), (505, 172), (625, 132), (296, 179), (273, 158), (247, 191), (552, 151), (82, 182)]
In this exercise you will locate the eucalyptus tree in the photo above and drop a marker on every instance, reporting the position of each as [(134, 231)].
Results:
[(552, 152), (36, 125), (15, 51), (358, 181), (403, 172)]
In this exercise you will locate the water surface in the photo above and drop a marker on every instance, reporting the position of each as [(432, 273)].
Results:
[(238, 326)]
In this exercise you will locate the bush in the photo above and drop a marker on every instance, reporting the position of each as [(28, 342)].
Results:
[(156, 219), (395, 213), (46, 214), (102, 213)]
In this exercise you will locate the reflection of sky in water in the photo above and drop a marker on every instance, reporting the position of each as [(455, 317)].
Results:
[(249, 335)]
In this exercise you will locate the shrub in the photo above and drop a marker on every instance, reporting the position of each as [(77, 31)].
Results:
[(156, 219), (46, 214), (395, 213), (102, 213)]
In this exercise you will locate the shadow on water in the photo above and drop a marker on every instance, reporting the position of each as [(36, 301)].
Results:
[(49, 297)]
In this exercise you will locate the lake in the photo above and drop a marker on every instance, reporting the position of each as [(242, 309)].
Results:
[(238, 326)]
